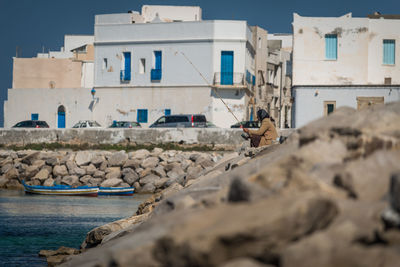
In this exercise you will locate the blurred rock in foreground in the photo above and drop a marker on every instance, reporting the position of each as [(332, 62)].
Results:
[(328, 196)]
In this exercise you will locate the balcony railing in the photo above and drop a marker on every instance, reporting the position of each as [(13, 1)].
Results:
[(156, 75), (229, 79), (125, 76)]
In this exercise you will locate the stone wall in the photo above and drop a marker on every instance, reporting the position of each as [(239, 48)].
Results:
[(205, 136)]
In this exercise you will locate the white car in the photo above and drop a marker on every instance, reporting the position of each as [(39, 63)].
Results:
[(87, 124)]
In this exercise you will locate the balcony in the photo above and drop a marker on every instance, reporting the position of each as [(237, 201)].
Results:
[(155, 75), (125, 76), (230, 80)]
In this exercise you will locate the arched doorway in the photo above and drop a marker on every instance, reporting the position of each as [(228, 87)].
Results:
[(61, 117)]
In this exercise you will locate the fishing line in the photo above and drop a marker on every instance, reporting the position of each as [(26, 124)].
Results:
[(215, 91)]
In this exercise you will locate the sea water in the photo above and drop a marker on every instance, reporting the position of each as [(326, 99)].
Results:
[(30, 223)]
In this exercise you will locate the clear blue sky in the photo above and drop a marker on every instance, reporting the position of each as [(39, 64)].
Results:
[(32, 24)]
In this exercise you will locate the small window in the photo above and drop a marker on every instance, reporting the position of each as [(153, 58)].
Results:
[(259, 42), (142, 66), (330, 46), (167, 112), (105, 64), (34, 116), (142, 115), (389, 52), (329, 107), (388, 80)]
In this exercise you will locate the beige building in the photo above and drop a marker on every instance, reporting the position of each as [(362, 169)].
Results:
[(344, 61)]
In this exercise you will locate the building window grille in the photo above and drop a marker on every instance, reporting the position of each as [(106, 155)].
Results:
[(142, 115), (331, 46), (389, 52), (156, 72)]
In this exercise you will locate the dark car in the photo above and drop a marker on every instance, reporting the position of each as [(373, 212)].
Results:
[(31, 124), (125, 124), (246, 124), (180, 121)]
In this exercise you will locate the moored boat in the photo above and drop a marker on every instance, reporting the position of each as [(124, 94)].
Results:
[(61, 190), (120, 191)]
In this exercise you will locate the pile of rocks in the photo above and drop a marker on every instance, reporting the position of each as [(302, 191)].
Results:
[(328, 196), (147, 171)]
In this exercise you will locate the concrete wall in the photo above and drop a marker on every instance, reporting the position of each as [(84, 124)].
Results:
[(309, 101), (46, 73), (227, 137), (359, 53), (171, 13), (380, 29)]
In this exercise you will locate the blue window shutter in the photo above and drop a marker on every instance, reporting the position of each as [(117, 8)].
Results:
[(389, 52), (34, 116), (227, 67), (331, 46), (167, 112), (142, 115), (127, 73), (158, 56)]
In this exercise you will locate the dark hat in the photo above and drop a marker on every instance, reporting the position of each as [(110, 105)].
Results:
[(262, 114)]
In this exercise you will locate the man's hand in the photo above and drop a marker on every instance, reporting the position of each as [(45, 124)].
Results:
[(245, 130)]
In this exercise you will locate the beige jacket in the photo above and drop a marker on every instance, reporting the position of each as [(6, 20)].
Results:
[(267, 131)]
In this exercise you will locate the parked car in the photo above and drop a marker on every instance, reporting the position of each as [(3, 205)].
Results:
[(181, 120), (246, 124), (125, 124), (31, 124), (87, 124)]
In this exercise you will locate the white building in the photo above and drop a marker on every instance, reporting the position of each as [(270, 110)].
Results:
[(344, 61), (53, 85), (164, 60), (146, 70)]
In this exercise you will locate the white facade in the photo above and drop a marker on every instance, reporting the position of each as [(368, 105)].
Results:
[(190, 81), (191, 63), (356, 69)]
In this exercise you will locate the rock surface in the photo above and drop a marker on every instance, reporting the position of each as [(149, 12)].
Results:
[(325, 197)]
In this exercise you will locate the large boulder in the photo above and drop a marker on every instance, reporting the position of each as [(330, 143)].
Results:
[(130, 176), (149, 179), (140, 154), (132, 163), (42, 175), (83, 158), (150, 162), (111, 182), (31, 171), (118, 158), (71, 180), (60, 170)]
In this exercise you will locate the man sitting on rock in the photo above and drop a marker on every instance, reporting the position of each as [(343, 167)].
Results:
[(266, 134)]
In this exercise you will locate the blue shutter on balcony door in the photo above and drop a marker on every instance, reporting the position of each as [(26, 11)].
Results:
[(158, 59), (127, 74), (331, 46), (226, 67), (388, 52)]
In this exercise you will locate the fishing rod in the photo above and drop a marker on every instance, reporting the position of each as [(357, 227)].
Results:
[(202, 76)]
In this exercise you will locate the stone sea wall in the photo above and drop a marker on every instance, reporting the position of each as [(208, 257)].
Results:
[(202, 136), (147, 171)]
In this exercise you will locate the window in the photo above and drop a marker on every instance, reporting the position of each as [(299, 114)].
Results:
[(142, 115), (156, 72), (259, 42), (142, 65), (329, 107), (389, 52), (167, 112), (34, 116), (226, 67), (126, 67), (330, 46), (105, 64), (388, 80)]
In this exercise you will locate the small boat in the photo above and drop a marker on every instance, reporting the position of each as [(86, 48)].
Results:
[(61, 190), (116, 191)]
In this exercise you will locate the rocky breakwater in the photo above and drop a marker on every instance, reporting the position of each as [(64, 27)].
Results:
[(328, 196), (147, 171)]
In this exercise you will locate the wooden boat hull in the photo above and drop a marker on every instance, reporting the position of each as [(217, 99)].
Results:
[(116, 191), (61, 190)]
